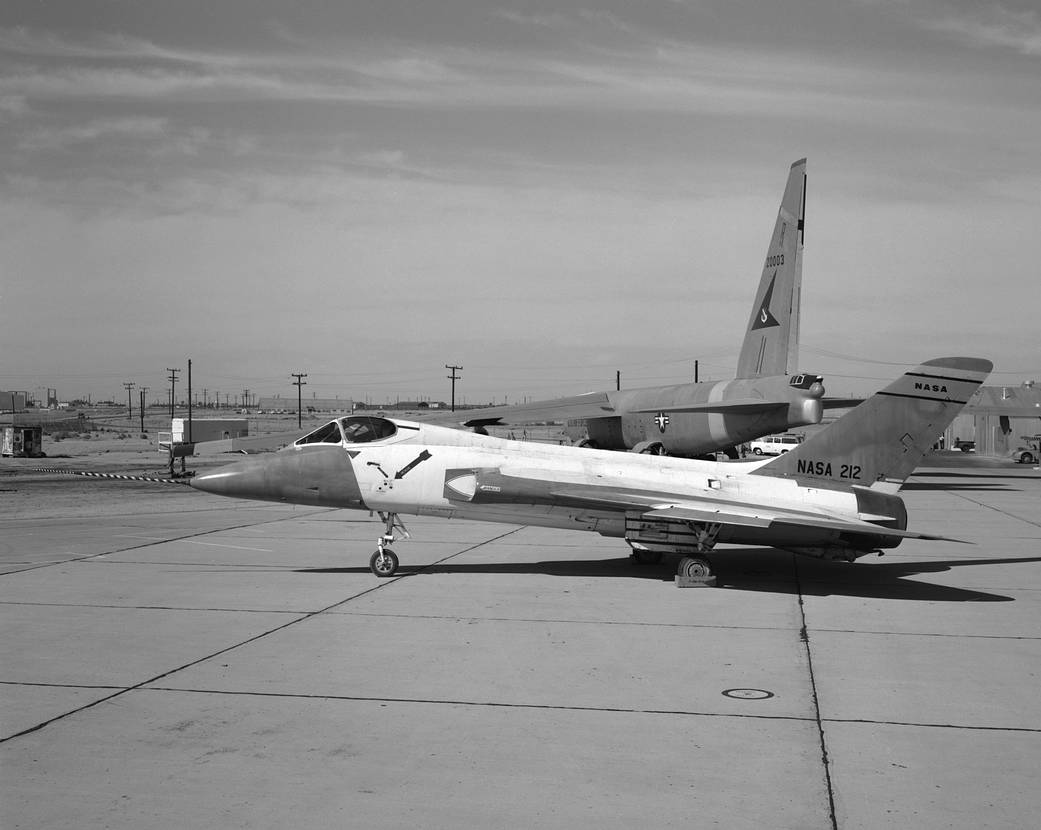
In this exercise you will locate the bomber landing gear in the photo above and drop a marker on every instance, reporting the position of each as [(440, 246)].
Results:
[(384, 562)]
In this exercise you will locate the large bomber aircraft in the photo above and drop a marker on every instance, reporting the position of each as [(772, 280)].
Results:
[(834, 496), (697, 418)]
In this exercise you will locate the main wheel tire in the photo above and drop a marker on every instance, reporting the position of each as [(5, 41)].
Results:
[(1026, 458), (695, 566), (385, 564)]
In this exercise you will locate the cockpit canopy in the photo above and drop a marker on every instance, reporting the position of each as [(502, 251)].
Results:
[(354, 429)]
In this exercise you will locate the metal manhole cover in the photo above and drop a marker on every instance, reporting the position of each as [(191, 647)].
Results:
[(748, 694)]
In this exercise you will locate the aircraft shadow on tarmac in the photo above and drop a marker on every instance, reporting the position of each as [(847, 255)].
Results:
[(1002, 481), (752, 569), (953, 486)]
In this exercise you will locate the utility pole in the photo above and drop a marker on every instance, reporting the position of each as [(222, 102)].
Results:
[(245, 399), (695, 371), (144, 391), (298, 383), (618, 379), (128, 385), (453, 377), (189, 400), (205, 404), (173, 385)]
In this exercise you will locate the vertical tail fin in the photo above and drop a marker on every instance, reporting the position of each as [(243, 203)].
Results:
[(886, 437), (772, 338)]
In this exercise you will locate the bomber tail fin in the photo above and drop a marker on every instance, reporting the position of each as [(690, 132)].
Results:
[(772, 338), (886, 437)]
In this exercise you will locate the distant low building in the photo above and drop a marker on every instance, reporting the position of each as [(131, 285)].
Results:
[(209, 429), (287, 404), (998, 418), (21, 441), (12, 401)]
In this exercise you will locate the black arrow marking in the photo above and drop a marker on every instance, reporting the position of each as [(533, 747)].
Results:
[(419, 459)]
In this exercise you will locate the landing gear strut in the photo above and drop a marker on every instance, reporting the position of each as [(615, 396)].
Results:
[(384, 562)]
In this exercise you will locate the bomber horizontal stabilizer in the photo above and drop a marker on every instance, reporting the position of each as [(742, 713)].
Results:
[(841, 403)]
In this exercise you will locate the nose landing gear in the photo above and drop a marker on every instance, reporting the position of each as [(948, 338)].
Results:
[(384, 562)]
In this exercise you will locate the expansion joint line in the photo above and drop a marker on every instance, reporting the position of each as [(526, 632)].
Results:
[(805, 637), (979, 503), (302, 618)]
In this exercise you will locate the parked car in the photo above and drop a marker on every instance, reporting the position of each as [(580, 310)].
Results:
[(1027, 453), (775, 444), (964, 446)]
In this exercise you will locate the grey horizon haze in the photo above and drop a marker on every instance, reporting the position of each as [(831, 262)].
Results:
[(539, 192)]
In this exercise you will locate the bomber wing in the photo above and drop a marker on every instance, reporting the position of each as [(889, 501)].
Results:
[(745, 406), (589, 405)]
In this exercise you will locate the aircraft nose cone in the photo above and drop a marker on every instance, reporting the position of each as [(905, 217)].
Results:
[(244, 480), (319, 475)]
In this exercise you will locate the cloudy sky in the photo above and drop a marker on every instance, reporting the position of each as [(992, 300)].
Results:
[(539, 192)]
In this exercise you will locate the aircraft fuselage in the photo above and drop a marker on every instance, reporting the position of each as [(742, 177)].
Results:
[(426, 470)]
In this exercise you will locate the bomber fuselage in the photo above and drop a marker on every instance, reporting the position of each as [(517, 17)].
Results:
[(692, 419)]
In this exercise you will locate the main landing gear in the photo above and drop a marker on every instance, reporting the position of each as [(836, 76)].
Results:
[(694, 567), (384, 562), (689, 541), (691, 567)]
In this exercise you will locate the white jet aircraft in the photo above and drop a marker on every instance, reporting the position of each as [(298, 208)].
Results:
[(834, 496)]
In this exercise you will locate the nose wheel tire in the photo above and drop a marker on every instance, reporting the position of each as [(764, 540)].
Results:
[(384, 562)]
